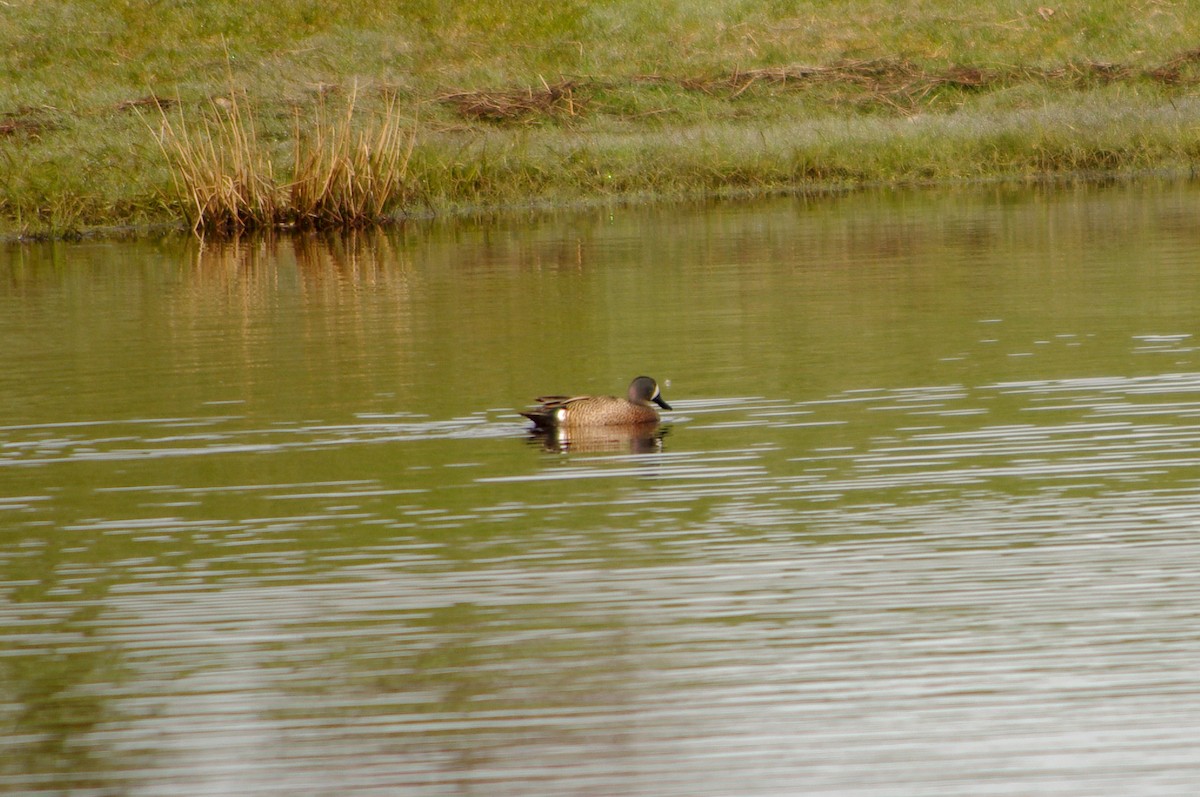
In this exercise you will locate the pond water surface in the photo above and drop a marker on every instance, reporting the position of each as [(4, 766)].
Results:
[(925, 518)]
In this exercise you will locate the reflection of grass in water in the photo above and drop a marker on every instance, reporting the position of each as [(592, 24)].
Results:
[(559, 101)]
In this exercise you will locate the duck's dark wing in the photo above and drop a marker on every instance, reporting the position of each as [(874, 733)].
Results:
[(545, 416)]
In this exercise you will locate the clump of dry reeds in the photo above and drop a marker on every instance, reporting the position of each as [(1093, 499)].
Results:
[(343, 177), (221, 170), (343, 174)]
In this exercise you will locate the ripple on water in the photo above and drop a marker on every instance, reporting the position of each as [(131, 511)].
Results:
[(141, 439), (496, 677), (969, 587)]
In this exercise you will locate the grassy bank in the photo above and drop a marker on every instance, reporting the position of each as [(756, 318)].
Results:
[(495, 103)]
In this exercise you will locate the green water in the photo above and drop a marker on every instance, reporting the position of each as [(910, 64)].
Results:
[(923, 518)]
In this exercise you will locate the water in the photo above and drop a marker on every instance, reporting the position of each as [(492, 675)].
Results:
[(924, 519)]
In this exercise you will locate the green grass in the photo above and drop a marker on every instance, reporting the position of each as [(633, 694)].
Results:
[(506, 102)]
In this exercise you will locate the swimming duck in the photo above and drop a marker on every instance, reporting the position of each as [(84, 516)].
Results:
[(566, 411)]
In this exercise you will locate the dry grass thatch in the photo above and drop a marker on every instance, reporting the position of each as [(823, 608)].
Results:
[(894, 82), (557, 99), (28, 122)]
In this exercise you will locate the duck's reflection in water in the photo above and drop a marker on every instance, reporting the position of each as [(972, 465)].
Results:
[(645, 438)]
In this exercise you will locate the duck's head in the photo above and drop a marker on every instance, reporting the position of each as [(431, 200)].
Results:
[(644, 390)]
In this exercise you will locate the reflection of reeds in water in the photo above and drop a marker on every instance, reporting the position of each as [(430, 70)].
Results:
[(236, 272), (353, 260), (258, 268), (343, 174)]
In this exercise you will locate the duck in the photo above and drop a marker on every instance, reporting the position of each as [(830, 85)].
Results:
[(636, 409)]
